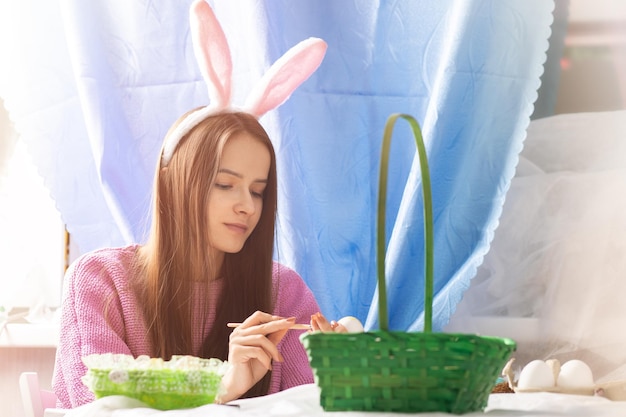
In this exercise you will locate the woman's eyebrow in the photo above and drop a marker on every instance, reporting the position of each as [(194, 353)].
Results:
[(238, 175), (228, 171)]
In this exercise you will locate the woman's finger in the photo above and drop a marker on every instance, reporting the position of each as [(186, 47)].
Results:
[(319, 322), (245, 353), (340, 328), (267, 327), (258, 317), (260, 322), (259, 341), (277, 336)]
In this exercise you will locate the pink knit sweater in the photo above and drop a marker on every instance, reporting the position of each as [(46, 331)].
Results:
[(99, 280)]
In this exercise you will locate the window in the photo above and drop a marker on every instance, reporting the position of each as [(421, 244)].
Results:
[(32, 243)]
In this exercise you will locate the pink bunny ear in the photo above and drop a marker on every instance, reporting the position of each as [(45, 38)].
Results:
[(213, 56), (285, 75), (212, 53)]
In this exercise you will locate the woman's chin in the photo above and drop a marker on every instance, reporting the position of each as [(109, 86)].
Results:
[(232, 249)]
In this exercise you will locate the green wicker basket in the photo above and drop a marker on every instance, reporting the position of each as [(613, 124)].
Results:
[(401, 371), (182, 382)]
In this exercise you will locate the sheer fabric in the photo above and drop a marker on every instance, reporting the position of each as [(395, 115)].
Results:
[(93, 86), (557, 260)]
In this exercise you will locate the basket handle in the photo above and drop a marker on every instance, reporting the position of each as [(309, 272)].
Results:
[(428, 223)]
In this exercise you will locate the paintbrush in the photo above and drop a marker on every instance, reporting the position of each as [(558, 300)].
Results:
[(296, 326)]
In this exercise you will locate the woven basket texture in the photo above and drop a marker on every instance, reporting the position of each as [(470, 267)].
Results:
[(405, 372), (164, 389)]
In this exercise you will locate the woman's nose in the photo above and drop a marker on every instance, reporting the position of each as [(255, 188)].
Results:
[(245, 203)]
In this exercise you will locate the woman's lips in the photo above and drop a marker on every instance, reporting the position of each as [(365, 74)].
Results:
[(237, 227)]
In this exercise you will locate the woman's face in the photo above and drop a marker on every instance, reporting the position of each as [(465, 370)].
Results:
[(236, 198)]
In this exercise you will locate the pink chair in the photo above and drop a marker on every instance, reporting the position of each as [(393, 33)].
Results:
[(36, 400)]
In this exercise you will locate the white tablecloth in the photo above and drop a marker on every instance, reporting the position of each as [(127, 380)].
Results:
[(304, 401)]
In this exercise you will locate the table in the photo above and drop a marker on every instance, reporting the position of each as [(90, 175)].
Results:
[(304, 401)]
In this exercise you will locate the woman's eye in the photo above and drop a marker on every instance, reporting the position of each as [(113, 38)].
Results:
[(222, 186), (258, 194)]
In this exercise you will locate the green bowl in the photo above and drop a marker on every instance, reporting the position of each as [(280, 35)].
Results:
[(182, 382)]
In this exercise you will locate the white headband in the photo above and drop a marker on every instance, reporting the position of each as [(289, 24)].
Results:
[(213, 56)]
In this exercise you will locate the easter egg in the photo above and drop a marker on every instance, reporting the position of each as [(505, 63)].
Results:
[(118, 376), (575, 374), (536, 375), (352, 324)]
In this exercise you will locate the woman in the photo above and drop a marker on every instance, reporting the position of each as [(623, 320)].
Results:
[(207, 262)]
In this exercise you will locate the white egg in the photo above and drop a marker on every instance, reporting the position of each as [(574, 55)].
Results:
[(118, 376), (536, 375), (352, 324), (575, 374)]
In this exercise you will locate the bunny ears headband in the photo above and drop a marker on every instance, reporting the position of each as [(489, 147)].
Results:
[(213, 56)]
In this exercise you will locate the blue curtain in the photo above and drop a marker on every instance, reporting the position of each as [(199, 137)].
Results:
[(92, 87)]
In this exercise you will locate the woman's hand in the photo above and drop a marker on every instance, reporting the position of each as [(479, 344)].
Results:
[(319, 322), (346, 324), (251, 350)]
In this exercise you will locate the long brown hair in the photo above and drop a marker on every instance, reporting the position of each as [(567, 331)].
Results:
[(176, 254)]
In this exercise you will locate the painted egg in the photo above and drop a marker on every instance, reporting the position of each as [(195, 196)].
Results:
[(575, 374), (536, 375), (352, 324), (118, 376)]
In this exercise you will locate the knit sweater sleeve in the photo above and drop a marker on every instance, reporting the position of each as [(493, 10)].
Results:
[(92, 321), (294, 299)]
